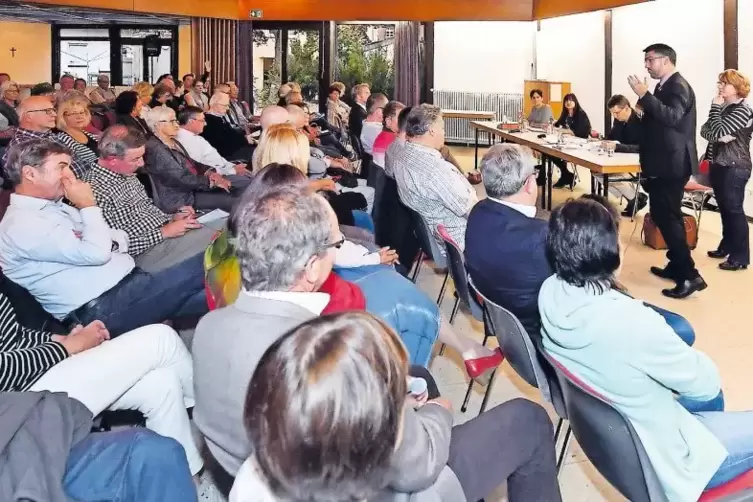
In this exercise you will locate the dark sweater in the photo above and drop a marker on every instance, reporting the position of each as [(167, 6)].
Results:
[(222, 136), (627, 133)]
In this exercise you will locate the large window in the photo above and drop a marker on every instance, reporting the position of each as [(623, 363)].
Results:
[(366, 53), (116, 51)]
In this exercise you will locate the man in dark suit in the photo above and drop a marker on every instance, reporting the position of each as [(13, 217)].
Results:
[(505, 244), (358, 114), (626, 131), (667, 155)]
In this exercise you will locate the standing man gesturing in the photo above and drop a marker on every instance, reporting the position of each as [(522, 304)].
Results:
[(667, 155)]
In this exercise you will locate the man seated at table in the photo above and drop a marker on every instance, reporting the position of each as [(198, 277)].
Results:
[(156, 240), (428, 184), (372, 124), (626, 132), (505, 243), (75, 265)]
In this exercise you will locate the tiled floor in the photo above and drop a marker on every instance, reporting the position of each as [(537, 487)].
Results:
[(723, 329)]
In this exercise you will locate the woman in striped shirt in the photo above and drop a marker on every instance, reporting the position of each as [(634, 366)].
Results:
[(72, 121), (147, 369), (728, 131)]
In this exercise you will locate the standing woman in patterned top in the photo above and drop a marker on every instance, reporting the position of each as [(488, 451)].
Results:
[(728, 131), (73, 117)]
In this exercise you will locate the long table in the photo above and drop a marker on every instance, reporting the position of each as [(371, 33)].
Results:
[(467, 114), (599, 165)]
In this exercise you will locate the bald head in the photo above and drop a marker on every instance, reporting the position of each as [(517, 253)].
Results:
[(297, 116), (36, 113), (284, 90), (273, 115)]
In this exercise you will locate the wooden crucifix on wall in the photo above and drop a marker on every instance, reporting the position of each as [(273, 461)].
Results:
[(13, 52)]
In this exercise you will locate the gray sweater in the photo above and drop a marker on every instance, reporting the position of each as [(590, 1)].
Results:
[(541, 115)]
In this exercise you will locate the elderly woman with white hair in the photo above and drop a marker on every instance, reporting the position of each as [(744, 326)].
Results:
[(9, 101), (177, 180)]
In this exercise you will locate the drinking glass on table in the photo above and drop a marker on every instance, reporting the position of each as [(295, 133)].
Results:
[(610, 147)]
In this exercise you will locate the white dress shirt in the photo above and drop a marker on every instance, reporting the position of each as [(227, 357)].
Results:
[(529, 211), (314, 302), (369, 134), (200, 150), (61, 255)]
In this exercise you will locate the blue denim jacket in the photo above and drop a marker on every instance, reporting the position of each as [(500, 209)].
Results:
[(397, 301)]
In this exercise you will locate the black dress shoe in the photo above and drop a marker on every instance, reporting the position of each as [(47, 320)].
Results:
[(642, 202), (732, 266), (564, 181), (717, 253), (685, 288), (664, 273)]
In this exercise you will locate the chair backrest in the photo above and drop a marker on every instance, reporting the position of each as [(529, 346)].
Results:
[(459, 274), (608, 439), (517, 345), (428, 242)]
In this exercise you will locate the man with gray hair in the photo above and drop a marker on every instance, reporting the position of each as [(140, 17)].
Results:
[(102, 94), (156, 240), (505, 242), (231, 143), (286, 248), (428, 184)]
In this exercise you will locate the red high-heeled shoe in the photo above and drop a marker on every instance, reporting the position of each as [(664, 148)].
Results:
[(481, 365)]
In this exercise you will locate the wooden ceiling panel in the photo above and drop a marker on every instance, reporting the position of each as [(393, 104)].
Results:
[(389, 10), (543, 9)]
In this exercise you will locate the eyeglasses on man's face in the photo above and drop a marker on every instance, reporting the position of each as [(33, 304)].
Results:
[(47, 111), (173, 121), (337, 244)]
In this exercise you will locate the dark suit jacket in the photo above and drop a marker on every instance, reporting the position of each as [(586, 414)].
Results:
[(627, 133), (355, 120), (667, 147), (222, 136), (505, 253)]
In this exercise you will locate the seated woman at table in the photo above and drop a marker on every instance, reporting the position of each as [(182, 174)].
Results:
[(541, 113), (574, 120), (625, 351)]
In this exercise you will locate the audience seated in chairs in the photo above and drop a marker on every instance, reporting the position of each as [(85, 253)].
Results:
[(374, 121), (192, 123), (70, 463), (506, 240), (156, 240), (9, 101), (426, 182), (130, 109), (361, 93), (319, 163), (238, 112), (73, 263), (383, 443), (231, 143), (370, 273), (36, 121), (177, 180), (287, 243)]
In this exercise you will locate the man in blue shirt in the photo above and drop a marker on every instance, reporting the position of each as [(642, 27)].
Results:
[(68, 257)]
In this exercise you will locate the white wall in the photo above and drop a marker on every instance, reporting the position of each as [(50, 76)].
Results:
[(697, 34), (483, 56), (571, 49), (745, 55)]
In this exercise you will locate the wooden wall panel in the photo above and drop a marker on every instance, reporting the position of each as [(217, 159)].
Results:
[(199, 8), (543, 9), (389, 10)]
